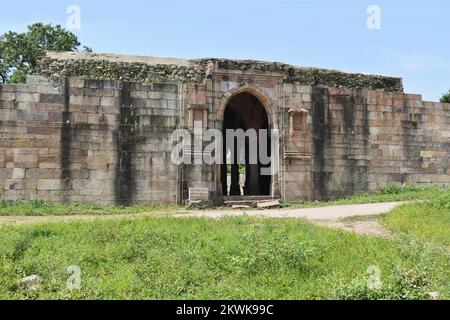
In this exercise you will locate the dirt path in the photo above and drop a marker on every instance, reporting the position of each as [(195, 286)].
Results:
[(321, 213), (363, 215), (360, 218)]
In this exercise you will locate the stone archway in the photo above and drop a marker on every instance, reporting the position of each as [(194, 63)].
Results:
[(241, 171)]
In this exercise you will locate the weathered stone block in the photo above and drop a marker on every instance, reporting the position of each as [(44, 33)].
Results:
[(84, 100), (27, 97), (45, 81), (49, 184), (165, 87), (18, 173)]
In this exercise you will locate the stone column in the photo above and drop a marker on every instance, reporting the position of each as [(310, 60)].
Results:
[(224, 178), (235, 189), (253, 176), (223, 167)]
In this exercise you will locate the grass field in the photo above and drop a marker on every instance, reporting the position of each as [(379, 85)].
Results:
[(232, 258), (389, 193), (40, 208)]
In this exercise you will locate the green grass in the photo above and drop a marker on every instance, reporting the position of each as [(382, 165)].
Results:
[(390, 193), (233, 258), (427, 221), (41, 208)]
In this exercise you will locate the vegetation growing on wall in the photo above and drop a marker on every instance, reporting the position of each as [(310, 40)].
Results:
[(195, 71)]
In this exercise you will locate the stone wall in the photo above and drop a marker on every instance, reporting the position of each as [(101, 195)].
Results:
[(109, 142), (107, 70), (166, 70), (307, 76), (362, 140), (87, 141)]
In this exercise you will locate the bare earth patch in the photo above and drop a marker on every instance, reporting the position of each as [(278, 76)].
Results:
[(367, 227), (359, 218)]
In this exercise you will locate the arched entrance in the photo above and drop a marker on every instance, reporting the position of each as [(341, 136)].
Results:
[(242, 171)]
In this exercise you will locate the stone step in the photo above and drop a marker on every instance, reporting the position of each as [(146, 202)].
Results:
[(251, 201), (248, 198), (268, 204)]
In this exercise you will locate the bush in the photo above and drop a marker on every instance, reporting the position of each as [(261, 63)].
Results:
[(395, 189), (402, 284), (442, 202), (3, 203), (267, 252), (390, 189)]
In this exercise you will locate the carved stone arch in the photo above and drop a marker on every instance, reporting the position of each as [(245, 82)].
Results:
[(270, 108), (268, 104)]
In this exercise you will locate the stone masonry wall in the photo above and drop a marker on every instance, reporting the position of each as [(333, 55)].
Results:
[(362, 140), (108, 142), (87, 141)]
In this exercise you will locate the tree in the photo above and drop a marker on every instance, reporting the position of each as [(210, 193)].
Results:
[(446, 97), (19, 52)]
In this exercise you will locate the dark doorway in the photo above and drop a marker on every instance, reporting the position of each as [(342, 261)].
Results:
[(241, 177)]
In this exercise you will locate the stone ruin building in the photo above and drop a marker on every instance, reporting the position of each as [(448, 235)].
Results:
[(97, 128)]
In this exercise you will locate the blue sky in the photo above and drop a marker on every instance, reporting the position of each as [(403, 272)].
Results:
[(413, 41)]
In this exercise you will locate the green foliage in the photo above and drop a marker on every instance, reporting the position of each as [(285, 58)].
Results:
[(389, 193), (390, 189), (404, 284), (232, 258), (428, 220), (241, 168), (441, 202), (19, 52), (446, 97), (42, 208)]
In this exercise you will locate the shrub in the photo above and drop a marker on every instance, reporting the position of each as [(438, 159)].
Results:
[(393, 189), (442, 202), (390, 189), (402, 284)]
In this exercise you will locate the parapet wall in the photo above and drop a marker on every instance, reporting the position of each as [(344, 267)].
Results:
[(308, 76), (167, 70)]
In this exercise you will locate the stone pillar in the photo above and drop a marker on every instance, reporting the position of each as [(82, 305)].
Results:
[(223, 167), (235, 189), (224, 178), (253, 176), (247, 176)]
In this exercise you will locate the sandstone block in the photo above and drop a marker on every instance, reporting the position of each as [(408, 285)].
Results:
[(85, 100), (18, 173), (49, 184)]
